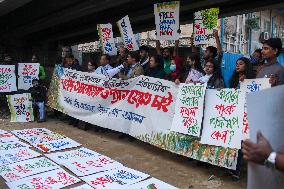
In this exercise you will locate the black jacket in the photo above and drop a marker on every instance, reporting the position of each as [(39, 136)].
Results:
[(38, 93)]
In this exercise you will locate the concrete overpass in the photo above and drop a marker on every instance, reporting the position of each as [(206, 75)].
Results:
[(41, 25)]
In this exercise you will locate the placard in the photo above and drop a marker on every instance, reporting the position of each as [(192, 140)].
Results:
[(127, 34), (17, 171), (167, 20), (27, 72), (205, 22), (189, 109), (13, 145), (51, 180), (106, 38), (7, 78), (223, 118), (151, 183), (16, 155), (20, 107)]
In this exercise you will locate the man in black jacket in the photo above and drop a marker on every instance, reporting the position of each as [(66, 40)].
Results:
[(38, 93)]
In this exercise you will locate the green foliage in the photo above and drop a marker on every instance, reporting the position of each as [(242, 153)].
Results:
[(210, 18)]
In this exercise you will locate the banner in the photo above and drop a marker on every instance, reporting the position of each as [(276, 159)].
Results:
[(52, 179), (27, 72), (189, 109), (106, 37), (142, 107), (249, 86), (167, 20), (17, 171), (205, 22), (223, 118), (7, 78), (127, 34), (21, 107)]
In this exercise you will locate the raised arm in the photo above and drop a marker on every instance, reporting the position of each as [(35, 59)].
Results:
[(175, 53), (218, 42), (194, 49), (158, 47)]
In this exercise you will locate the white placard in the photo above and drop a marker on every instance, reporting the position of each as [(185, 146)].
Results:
[(55, 179), (115, 179), (249, 86), (7, 78), (19, 170), (189, 109), (127, 34), (84, 186), (13, 145), (81, 153), (21, 107), (11, 156), (91, 165), (167, 20), (223, 118), (56, 145), (27, 72), (106, 37)]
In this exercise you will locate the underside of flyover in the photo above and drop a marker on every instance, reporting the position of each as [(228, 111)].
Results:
[(28, 24)]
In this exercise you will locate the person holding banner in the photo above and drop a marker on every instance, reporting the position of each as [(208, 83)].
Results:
[(156, 69), (70, 63), (172, 62), (122, 56), (272, 69), (194, 70), (134, 68), (144, 56), (106, 69), (243, 70), (213, 76)]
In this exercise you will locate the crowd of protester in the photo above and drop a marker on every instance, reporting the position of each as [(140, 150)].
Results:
[(200, 66)]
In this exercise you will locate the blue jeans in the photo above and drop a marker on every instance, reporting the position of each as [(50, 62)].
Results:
[(41, 109)]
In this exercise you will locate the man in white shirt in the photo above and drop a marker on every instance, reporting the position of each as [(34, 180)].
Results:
[(107, 70)]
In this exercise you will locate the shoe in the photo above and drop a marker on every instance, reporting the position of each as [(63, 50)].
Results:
[(41, 121), (235, 175)]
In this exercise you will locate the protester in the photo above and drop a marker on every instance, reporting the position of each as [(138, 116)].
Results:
[(91, 66), (243, 70), (156, 69), (172, 62), (272, 69), (193, 70), (262, 153), (41, 74), (70, 63), (106, 69), (122, 56), (210, 53), (144, 57), (134, 68), (38, 93), (213, 76)]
